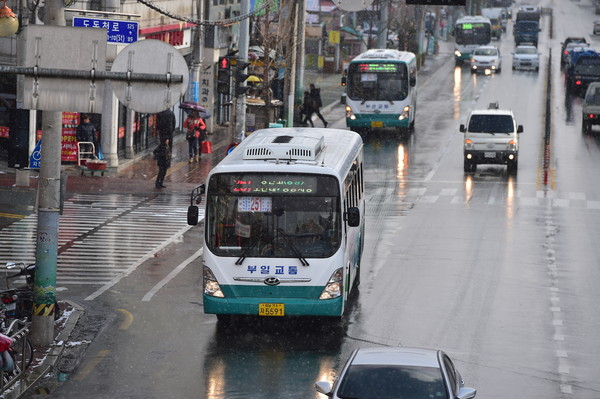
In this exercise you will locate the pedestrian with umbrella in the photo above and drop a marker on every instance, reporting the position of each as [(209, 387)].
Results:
[(195, 134)]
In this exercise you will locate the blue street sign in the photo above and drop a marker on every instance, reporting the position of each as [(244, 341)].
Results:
[(35, 160), (119, 31)]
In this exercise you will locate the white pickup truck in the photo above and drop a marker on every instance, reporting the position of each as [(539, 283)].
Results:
[(491, 136)]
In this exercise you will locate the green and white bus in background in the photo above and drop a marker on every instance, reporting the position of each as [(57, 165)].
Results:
[(470, 32), (284, 224), (381, 90)]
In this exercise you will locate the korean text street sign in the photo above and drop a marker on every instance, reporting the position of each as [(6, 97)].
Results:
[(119, 31)]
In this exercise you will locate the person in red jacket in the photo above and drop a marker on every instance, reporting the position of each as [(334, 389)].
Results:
[(195, 134)]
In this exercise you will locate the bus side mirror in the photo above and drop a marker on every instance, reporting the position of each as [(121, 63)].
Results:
[(462, 128), (352, 217), (192, 215), (343, 81), (413, 81), (343, 99)]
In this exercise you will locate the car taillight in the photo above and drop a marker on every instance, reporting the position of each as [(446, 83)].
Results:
[(578, 82)]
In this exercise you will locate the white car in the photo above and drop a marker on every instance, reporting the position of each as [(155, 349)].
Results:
[(486, 58), (526, 57)]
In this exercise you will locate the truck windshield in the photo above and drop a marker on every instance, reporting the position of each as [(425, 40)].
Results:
[(491, 124)]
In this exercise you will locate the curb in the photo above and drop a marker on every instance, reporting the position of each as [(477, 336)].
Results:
[(51, 359)]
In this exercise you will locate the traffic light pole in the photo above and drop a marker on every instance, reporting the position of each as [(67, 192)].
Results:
[(244, 43)]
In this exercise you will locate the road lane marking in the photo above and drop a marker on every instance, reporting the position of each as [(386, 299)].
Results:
[(126, 323), (129, 270), (91, 365), (171, 275)]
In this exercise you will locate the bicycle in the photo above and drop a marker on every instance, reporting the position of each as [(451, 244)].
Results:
[(21, 350)]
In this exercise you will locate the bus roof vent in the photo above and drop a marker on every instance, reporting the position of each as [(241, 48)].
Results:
[(298, 148)]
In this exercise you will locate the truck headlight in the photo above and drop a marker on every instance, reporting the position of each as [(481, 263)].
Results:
[(334, 287), (211, 285), (349, 113), (512, 145), (468, 144)]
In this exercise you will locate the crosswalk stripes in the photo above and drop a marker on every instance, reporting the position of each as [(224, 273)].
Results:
[(525, 198), (101, 236)]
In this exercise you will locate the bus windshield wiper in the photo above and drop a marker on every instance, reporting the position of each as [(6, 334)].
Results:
[(246, 251), (293, 248)]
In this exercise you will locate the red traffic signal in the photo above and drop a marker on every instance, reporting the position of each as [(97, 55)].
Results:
[(224, 63)]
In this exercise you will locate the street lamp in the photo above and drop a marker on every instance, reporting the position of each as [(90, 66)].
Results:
[(9, 24)]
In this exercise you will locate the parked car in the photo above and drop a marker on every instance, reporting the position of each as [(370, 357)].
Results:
[(590, 107), (486, 57), (526, 57), (571, 39), (389, 373)]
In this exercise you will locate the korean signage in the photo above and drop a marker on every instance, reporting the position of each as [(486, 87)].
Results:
[(119, 31)]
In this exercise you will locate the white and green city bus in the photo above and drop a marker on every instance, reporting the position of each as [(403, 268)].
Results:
[(284, 224), (470, 32), (381, 90)]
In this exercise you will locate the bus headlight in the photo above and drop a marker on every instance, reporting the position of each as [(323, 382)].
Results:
[(349, 113), (457, 53), (404, 114), (334, 287), (211, 285)]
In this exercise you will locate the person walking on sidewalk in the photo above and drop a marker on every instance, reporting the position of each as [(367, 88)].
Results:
[(308, 109), (315, 94), (162, 154), (86, 133), (196, 129), (165, 123)]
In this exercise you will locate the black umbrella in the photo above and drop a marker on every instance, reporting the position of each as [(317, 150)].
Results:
[(190, 106)]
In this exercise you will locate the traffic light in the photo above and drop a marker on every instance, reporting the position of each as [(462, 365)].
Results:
[(223, 75), (240, 78)]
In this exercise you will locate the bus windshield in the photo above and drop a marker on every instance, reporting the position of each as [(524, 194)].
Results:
[(473, 33), (377, 81), (273, 215)]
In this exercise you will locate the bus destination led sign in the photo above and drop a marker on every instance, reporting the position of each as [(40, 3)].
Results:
[(274, 185), (366, 68)]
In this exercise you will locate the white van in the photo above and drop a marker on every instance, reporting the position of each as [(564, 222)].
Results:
[(491, 136)]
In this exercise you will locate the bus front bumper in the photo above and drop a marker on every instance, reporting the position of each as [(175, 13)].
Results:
[(292, 306), (377, 122)]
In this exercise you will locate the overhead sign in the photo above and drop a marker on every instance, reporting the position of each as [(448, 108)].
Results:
[(438, 2), (353, 5), (150, 57), (119, 31), (65, 48)]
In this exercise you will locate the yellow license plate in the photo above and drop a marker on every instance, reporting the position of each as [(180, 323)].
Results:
[(271, 309), (376, 124)]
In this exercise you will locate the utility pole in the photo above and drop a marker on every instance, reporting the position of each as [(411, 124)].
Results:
[(299, 87), (46, 252), (383, 25), (194, 90)]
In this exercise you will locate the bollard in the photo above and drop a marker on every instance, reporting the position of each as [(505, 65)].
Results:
[(22, 178)]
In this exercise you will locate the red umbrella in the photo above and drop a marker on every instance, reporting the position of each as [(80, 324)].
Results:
[(189, 106)]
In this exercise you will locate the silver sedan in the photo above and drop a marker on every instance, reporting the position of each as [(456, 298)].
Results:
[(389, 373), (526, 57)]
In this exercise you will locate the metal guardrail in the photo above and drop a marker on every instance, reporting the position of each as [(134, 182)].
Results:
[(17, 330)]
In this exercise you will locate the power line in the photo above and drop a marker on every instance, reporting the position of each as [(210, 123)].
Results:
[(193, 21)]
